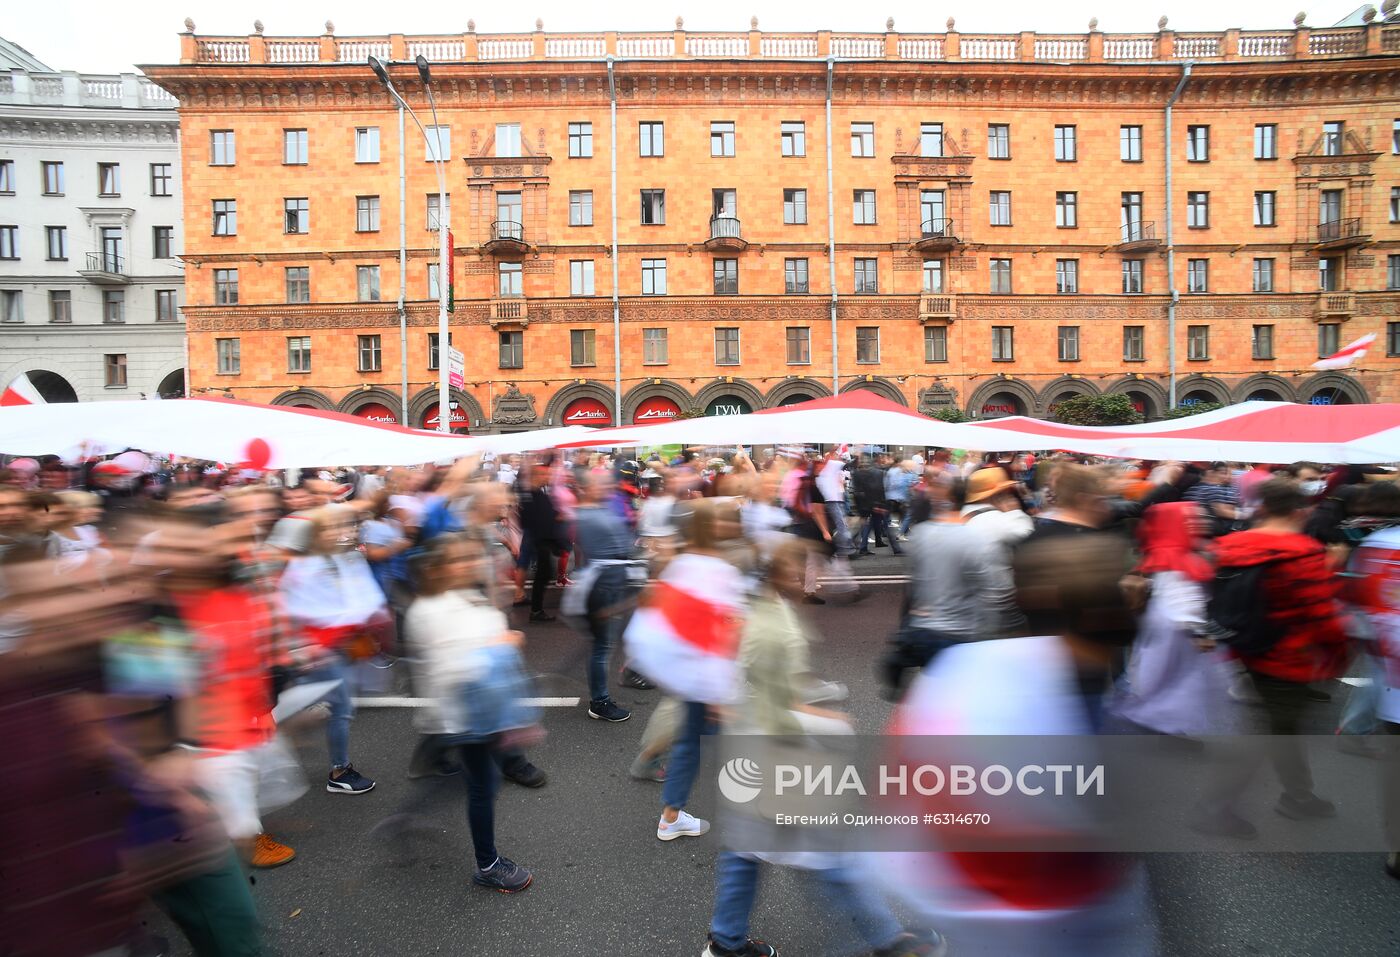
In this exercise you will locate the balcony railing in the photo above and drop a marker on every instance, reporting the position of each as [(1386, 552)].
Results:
[(937, 306), (1138, 233), (1336, 304), (105, 269), (724, 227), (508, 230), (512, 309), (937, 229), (1339, 230)]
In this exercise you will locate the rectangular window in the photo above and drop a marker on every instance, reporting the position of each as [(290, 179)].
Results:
[(433, 291), (1264, 208), (1068, 339), (581, 277), (298, 353), (724, 203), (225, 217), (366, 144), (366, 214), (1395, 137), (1000, 276), (1197, 275), (580, 140), (867, 277), (1328, 271), (434, 222), (109, 179), (114, 370), (933, 275), (1066, 276), (799, 346), (1132, 277), (1392, 272), (226, 287), (56, 241), (296, 215), (162, 241), (1263, 275), (1198, 144), (437, 145), (722, 138), (653, 138), (60, 305), (726, 277), (653, 207), (1198, 210), (1066, 210), (512, 350), (371, 356), (1130, 144), (1329, 339), (1000, 207), (114, 305), (1198, 343), (794, 207), (9, 242), (1392, 339), (863, 139), (221, 148), (298, 284), (1265, 141), (1332, 137), (935, 343), (7, 177), (294, 148), (867, 345), (580, 207), (998, 141), (510, 208), (509, 279), (1134, 349), (367, 283), (726, 346), (1395, 204), (583, 347), (863, 207), (1261, 342), (53, 178), (230, 356), (1066, 150), (12, 305), (930, 139), (653, 277), (433, 354), (1003, 344), (655, 347), (162, 180), (165, 305), (794, 138), (508, 139), (795, 277)]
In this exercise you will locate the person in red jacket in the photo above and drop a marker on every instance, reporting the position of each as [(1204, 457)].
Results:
[(1300, 591)]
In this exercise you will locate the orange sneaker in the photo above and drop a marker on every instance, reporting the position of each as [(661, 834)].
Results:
[(270, 853)]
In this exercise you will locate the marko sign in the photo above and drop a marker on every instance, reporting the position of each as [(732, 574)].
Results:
[(587, 412), (656, 409), (377, 413)]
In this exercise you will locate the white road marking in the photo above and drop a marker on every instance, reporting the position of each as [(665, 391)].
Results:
[(390, 701)]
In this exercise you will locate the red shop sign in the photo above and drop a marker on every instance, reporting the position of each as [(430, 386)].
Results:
[(377, 413), (656, 409), (587, 412), (998, 408), (456, 417)]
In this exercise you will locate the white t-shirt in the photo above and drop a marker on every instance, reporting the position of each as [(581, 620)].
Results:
[(831, 481)]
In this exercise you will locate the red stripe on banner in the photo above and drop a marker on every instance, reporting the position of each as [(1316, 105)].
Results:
[(1287, 423), (700, 624), (323, 414)]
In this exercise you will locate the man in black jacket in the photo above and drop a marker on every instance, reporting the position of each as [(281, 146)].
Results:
[(539, 523), (872, 507)]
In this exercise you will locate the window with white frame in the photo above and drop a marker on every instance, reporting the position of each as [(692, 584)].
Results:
[(794, 207), (1198, 343), (722, 138), (793, 135), (1067, 338), (581, 277), (652, 135), (1000, 202), (366, 214), (1000, 276), (225, 287), (998, 141), (1066, 276), (297, 280), (437, 145), (583, 347), (296, 215), (655, 347), (795, 277), (1197, 275), (863, 207), (1263, 275), (371, 354), (1066, 210), (863, 139), (508, 139), (580, 207), (1003, 344), (1264, 201), (222, 148), (580, 140), (294, 147), (726, 346), (367, 283), (298, 353), (1066, 147), (867, 276), (366, 144), (653, 277), (935, 343)]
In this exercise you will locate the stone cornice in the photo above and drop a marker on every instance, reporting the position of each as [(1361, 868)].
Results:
[(89, 129)]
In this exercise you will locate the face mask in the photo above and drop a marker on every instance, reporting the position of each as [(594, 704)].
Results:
[(1313, 487)]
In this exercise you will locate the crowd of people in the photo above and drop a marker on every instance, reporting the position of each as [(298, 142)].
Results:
[(164, 627)]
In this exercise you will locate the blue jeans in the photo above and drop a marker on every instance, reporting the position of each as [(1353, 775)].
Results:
[(335, 667), (685, 756), (736, 887), (603, 621), (840, 532), (479, 777)]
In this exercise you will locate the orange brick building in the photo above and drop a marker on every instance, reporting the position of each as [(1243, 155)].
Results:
[(993, 210)]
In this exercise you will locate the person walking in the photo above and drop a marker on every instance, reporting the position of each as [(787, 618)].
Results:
[(605, 546), (540, 523)]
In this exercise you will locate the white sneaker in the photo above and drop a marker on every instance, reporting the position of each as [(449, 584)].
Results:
[(685, 825), (819, 691)]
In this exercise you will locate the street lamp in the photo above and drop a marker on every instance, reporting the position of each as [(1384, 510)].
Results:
[(434, 144)]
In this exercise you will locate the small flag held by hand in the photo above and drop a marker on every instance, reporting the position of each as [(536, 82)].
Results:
[(1347, 355)]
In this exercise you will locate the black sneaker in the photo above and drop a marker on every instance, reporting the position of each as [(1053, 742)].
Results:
[(505, 876), (923, 943), (606, 709), (1305, 807), (524, 774), (633, 679), (751, 948), (541, 616), (349, 781)]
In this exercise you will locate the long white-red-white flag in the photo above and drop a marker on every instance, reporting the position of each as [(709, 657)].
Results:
[(21, 391), (1347, 355)]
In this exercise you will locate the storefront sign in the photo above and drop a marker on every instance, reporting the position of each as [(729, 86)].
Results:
[(1001, 404), (377, 413), (456, 418), (587, 412), (656, 409), (728, 405)]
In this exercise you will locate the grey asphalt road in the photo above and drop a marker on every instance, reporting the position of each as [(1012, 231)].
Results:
[(389, 872)]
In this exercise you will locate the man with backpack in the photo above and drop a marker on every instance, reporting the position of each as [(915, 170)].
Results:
[(1274, 602)]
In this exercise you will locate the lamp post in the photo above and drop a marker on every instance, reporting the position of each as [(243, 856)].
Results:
[(434, 144)]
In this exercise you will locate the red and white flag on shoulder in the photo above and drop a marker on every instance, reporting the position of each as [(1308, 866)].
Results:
[(21, 391), (1347, 355)]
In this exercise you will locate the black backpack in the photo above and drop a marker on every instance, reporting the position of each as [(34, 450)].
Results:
[(1237, 612)]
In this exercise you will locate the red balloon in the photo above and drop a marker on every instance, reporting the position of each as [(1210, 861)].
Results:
[(257, 453)]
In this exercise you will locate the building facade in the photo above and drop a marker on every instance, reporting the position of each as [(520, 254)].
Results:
[(90, 224), (647, 225)]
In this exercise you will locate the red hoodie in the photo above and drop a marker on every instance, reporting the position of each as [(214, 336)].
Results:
[(1301, 601)]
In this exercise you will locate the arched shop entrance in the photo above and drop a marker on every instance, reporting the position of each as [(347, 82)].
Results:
[(375, 404), (52, 387), (1198, 390), (1332, 388), (998, 405), (1061, 389), (728, 404), (377, 413), (305, 399), (794, 398), (794, 390), (172, 386), (457, 418)]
